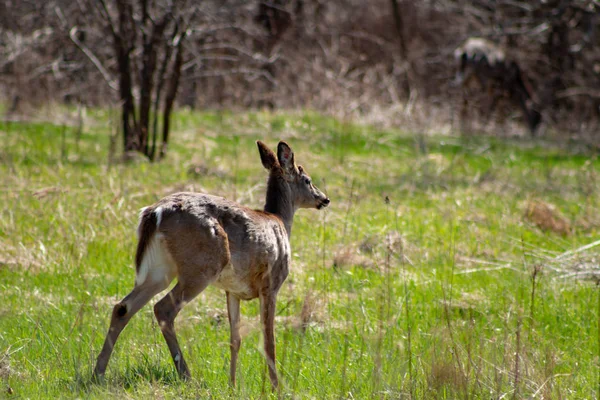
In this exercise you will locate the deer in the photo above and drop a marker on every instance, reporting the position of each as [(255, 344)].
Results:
[(483, 61), (202, 240)]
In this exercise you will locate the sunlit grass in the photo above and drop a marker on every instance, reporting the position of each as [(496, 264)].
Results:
[(416, 282)]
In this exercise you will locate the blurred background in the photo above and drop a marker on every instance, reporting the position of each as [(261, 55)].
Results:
[(386, 62), (458, 141)]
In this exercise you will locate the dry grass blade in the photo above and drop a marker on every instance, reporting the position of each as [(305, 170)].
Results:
[(41, 193)]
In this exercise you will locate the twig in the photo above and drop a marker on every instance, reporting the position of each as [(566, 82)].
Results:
[(236, 71), (589, 274), (545, 382), (578, 250), (578, 91), (111, 83)]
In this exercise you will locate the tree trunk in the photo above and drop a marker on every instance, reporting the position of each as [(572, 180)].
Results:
[(403, 51), (171, 93), (139, 67), (122, 42)]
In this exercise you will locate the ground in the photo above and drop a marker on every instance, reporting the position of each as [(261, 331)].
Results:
[(445, 267)]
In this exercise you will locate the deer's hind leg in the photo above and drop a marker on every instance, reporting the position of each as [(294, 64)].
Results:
[(156, 272), (122, 314), (199, 261)]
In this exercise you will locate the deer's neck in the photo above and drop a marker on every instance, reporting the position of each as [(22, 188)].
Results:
[(279, 201)]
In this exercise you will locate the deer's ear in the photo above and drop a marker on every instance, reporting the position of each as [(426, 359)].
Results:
[(267, 157), (286, 157)]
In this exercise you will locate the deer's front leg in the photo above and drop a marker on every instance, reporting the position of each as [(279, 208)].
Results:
[(267, 316)]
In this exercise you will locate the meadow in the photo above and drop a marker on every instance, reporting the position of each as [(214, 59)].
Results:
[(445, 267)]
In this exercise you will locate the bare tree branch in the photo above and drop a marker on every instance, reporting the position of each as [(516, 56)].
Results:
[(578, 91), (105, 74)]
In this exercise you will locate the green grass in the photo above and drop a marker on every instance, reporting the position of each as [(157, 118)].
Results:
[(418, 280)]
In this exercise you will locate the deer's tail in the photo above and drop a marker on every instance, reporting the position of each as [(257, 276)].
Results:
[(149, 220)]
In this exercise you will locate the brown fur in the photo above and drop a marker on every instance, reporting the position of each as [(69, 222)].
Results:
[(202, 239)]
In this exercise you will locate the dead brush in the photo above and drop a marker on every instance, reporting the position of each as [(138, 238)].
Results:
[(445, 374), (351, 256), (4, 367), (547, 217), (367, 253), (307, 315), (14, 257)]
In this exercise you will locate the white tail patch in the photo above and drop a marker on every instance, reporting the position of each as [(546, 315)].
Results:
[(139, 228), (157, 264), (158, 212)]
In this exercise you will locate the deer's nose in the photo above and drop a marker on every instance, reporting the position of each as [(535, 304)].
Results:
[(326, 201)]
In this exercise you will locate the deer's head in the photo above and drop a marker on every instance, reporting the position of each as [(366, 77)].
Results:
[(283, 171)]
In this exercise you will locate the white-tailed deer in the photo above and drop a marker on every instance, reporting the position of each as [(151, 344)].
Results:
[(201, 240), (481, 60)]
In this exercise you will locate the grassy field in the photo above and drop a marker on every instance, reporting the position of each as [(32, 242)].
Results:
[(444, 267)]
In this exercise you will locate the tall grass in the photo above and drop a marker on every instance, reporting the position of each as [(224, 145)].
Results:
[(426, 278)]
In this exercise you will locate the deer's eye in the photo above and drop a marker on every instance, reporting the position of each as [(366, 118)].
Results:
[(307, 181)]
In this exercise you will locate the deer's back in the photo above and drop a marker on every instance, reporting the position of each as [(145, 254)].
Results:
[(256, 243)]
